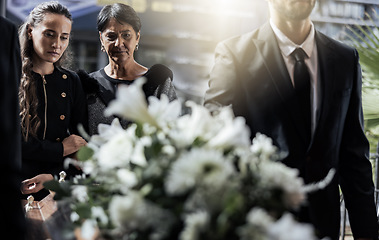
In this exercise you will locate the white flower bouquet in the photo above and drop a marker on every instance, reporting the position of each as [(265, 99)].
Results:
[(174, 176)]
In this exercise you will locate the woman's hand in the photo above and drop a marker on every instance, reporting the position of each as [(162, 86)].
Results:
[(35, 184), (72, 144)]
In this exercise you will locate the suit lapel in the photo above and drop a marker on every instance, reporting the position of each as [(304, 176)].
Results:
[(278, 74), (327, 66)]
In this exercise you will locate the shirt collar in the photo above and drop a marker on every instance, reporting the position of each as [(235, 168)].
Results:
[(287, 46)]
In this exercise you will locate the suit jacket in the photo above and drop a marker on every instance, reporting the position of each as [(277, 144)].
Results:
[(250, 74), (12, 218)]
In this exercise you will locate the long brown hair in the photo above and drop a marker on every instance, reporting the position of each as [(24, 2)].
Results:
[(30, 121)]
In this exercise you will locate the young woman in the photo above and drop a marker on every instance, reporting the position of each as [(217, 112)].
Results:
[(52, 102)]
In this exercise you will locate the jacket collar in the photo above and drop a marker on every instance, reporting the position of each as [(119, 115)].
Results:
[(287, 46), (266, 44), (272, 58), (328, 67)]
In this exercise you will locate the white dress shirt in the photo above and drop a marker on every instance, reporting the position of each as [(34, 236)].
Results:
[(310, 48)]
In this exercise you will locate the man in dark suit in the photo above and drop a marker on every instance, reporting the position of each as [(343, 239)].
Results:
[(317, 121), (12, 222)]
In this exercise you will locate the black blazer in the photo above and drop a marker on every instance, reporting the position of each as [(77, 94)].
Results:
[(250, 74), (12, 219), (66, 108)]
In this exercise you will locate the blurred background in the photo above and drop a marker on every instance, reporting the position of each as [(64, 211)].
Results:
[(182, 34)]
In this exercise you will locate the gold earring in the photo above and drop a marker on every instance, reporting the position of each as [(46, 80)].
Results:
[(137, 46)]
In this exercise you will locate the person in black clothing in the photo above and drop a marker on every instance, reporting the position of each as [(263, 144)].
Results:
[(303, 90), (12, 221), (52, 101), (119, 30)]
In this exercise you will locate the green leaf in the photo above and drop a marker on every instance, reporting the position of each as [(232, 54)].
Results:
[(53, 185), (83, 210), (85, 153), (365, 39), (139, 130), (62, 190)]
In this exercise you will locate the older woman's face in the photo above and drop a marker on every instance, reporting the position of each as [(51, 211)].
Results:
[(119, 41)]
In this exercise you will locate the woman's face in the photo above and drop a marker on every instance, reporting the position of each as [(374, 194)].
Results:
[(119, 41), (50, 37)]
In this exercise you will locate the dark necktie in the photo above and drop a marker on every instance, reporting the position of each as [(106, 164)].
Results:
[(303, 87)]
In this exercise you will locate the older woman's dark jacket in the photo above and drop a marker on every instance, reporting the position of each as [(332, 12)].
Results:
[(101, 89), (61, 107)]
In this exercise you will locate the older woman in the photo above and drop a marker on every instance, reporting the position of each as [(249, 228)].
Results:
[(119, 31)]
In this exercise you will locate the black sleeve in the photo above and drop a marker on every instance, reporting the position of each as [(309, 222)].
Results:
[(355, 168), (41, 156), (12, 218), (222, 79), (167, 88), (159, 81), (79, 109), (41, 150), (11, 72)]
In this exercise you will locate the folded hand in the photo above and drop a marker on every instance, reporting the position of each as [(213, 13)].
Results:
[(72, 143), (35, 184)]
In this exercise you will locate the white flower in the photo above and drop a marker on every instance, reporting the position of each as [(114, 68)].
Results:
[(286, 228), (138, 156), (132, 212), (220, 131), (164, 111), (168, 150), (199, 166), (128, 212), (116, 152), (99, 214), (277, 175), (80, 193), (234, 131), (195, 223), (88, 229), (148, 129), (127, 179), (78, 178), (260, 218), (130, 103), (74, 217), (106, 132), (196, 157), (262, 146), (189, 127), (258, 223), (89, 167)]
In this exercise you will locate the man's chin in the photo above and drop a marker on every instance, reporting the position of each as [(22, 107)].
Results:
[(301, 14)]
